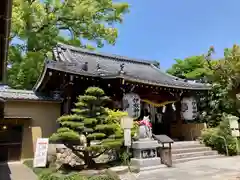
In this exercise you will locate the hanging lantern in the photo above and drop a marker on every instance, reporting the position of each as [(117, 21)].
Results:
[(132, 105), (189, 108)]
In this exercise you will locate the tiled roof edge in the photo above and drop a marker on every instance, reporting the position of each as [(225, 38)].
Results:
[(14, 94), (114, 57)]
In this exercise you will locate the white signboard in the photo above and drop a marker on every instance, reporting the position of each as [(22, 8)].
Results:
[(40, 156), (189, 108), (127, 137), (132, 104)]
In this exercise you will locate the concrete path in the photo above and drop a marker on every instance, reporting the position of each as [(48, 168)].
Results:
[(16, 171), (225, 168)]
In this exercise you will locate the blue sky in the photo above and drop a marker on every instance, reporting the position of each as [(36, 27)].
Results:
[(167, 29)]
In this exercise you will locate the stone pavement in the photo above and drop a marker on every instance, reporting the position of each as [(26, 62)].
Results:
[(16, 171), (225, 168)]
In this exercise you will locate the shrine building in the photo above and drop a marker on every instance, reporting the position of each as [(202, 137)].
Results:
[(165, 97), (136, 86)]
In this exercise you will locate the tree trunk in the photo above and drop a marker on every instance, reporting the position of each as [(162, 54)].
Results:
[(89, 162)]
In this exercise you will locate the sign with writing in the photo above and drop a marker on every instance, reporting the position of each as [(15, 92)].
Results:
[(40, 156), (189, 108), (127, 137), (132, 104), (149, 153)]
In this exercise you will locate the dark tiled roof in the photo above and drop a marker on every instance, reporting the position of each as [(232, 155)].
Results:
[(72, 59), (14, 94)]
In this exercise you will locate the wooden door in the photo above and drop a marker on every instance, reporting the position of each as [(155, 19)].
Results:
[(10, 142)]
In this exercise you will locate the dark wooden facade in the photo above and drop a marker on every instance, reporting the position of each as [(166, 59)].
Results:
[(73, 70)]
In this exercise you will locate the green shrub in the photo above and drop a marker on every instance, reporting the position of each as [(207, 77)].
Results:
[(58, 176), (213, 137), (101, 177), (50, 174), (38, 171)]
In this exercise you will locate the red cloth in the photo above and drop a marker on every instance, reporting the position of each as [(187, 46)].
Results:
[(145, 123)]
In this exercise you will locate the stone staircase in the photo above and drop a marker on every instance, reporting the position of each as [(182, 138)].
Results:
[(191, 150)]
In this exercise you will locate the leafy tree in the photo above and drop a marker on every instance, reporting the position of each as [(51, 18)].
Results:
[(225, 87), (194, 67), (91, 119), (37, 26)]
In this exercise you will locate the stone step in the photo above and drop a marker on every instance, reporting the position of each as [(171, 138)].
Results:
[(182, 160), (187, 145), (193, 154), (188, 150)]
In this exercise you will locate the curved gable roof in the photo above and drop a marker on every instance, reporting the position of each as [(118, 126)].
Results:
[(72, 59)]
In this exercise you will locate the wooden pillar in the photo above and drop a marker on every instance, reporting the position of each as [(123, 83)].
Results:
[(68, 96), (67, 105)]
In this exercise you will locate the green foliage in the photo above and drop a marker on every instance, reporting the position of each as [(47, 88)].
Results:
[(91, 119), (225, 86), (124, 157), (194, 67), (213, 137), (39, 25), (38, 171), (101, 177), (50, 174)]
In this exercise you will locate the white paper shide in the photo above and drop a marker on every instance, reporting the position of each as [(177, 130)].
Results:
[(40, 156)]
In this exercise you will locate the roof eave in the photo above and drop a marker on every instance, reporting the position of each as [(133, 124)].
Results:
[(40, 78), (191, 86), (31, 100), (164, 85)]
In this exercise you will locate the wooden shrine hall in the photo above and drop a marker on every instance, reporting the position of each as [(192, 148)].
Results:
[(73, 70)]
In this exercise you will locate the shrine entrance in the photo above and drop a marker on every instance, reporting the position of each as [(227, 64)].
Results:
[(161, 116), (163, 126)]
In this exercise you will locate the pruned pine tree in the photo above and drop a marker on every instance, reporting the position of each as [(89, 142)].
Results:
[(89, 118)]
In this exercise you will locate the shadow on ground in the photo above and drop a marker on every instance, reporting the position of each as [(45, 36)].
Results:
[(5, 172)]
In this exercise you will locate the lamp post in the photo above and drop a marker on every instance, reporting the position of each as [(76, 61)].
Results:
[(126, 125)]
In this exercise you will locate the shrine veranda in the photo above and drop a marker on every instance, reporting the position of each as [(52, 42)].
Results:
[(134, 85)]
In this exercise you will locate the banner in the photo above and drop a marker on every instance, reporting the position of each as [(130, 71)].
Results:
[(40, 156)]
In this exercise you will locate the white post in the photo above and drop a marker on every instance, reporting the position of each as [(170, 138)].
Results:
[(127, 124)]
